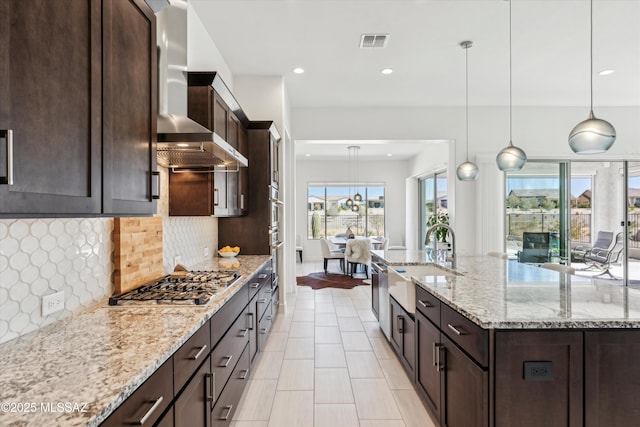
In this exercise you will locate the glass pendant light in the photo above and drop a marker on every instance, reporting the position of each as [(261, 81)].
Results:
[(357, 197), (467, 171), (510, 158), (592, 136)]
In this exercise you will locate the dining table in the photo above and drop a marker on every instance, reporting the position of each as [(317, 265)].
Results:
[(341, 242)]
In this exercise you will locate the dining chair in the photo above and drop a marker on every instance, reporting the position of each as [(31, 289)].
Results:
[(329, 254), (358, 252)]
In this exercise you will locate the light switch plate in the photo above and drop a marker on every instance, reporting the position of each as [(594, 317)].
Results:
[(52, 303)]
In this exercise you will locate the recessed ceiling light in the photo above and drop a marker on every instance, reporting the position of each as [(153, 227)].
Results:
[(389, 154), (307, 155), (298, 70), (606, 72), (386, 71)]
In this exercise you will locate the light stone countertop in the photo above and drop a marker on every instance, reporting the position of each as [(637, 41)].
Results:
[(505, 294), (100, 356)]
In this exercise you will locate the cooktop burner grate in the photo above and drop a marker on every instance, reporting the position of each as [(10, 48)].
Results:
[(185, 288)]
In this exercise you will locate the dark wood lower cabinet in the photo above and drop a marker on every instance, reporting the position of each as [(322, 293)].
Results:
[(227, 403), (465, 394), (192, 408), (429, 379), (612, 378), (538, 378), (403, 336)]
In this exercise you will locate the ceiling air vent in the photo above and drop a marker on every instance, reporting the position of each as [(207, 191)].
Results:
[(373, 40)]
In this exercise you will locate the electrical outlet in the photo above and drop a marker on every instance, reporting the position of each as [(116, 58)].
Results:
[(538, 371), (206, 251), (52, 303)]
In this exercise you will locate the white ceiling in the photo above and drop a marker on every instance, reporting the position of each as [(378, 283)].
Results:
[(550, 50)]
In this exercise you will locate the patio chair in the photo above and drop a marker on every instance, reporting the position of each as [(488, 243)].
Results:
[(604, 240), (603, 259), (328, 254)]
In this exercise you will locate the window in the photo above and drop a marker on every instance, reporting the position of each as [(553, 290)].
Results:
[(433, 199), (328, 213)]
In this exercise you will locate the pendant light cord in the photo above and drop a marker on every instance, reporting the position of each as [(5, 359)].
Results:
[(591, 53), (466, 114), (510, 83)]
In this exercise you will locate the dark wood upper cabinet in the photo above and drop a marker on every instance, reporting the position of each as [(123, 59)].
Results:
[(78, 91), (129, 107), (50, 97)]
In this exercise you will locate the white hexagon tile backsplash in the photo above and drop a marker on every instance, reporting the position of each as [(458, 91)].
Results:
[(43, 256)]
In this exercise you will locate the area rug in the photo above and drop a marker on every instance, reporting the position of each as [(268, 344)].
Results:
[(321, 280)]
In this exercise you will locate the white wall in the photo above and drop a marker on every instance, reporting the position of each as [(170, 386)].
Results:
[(475, 207), (202, 52), (391, 173)]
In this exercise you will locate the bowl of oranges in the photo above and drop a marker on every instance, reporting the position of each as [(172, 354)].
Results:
[(229, 251)]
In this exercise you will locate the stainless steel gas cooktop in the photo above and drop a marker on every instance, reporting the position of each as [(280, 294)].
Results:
[(195, 288)]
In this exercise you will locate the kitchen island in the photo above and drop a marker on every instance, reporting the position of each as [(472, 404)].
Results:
[(503, 343), (79, 370)]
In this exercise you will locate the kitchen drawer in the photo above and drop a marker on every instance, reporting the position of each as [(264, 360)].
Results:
[(264, 327), (188, 357), (470, 337), (222, 320), (227, 403), (263, 301), (225, 355), (428, 305), (262, 277), (255, 286), (148, 402)]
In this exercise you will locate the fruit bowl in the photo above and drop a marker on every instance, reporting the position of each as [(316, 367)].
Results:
[(228, 254)]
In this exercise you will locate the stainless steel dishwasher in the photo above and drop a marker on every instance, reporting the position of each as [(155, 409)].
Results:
[(380, 295)]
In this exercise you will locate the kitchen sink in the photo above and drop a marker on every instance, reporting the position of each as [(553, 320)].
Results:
[(403, 290)]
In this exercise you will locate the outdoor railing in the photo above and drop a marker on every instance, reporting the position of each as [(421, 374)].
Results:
[(361, 225)]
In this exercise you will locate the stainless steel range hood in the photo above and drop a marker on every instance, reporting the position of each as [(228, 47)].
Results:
[(183, 143)]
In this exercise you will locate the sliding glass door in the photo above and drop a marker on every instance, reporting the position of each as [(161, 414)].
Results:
[(433, 202), (582, 213)]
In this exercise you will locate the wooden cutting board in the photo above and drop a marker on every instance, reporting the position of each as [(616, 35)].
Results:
[(137, 246)]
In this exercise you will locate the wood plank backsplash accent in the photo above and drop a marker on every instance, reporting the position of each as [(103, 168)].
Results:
[(137, 246)]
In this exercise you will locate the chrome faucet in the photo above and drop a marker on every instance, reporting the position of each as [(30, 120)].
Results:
[(452, 258)]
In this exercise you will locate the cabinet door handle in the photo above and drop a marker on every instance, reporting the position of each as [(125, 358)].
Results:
[(400, 324), (243, 375), (216, 197), (199, 353), (456, 330), (212, 384), (147, 414), (228, 358), (228, 410), (155, 185), (244, 333), (254, 285), (439, 363), (262, 300), (250, 321), (242, 201), (263, 330), (262, 276), (7, 134), (425, 304)]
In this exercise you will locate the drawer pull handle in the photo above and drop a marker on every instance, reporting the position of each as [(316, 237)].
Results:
[(227, 408), (244, 374), (262, 300), (244, 333), (8, 136), (263, 330), (228, 358), (199, 353), (456, 330), (147, 414), (254, 285), (425, 304), (262, 276), (269, 317)]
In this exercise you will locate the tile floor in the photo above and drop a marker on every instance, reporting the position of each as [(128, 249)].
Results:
[(326, 363)]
